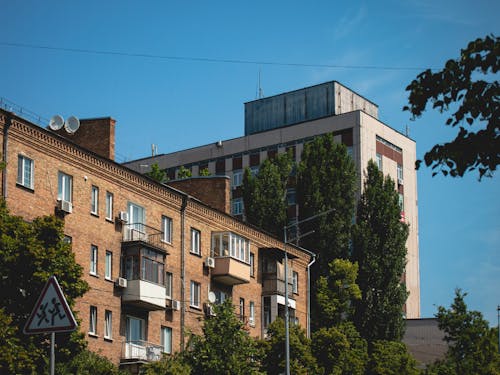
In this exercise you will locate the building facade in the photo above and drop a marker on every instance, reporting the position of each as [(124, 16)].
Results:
[(153, 255), (286, 122)]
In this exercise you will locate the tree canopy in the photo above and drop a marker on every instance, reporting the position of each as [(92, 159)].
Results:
[(157, 174), (467, 86), (379, 248)]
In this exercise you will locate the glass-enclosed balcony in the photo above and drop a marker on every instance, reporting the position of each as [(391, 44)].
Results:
[(232, 258)]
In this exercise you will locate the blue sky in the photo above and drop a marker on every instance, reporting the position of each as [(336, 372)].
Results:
[(178, 103)]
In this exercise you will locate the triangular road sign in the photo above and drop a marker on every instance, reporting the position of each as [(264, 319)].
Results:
[(51, 312)]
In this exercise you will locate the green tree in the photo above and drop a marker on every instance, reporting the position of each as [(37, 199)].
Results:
[(379, 239), (468, 86), (336, 292), (264, 196), (225, 347), (391, 358), (88, 363), (157, 174), (29, 254), (301, 359), (473, 345), (169, 365), (340, 350), (184, 173), (326, 180), (204, 172)]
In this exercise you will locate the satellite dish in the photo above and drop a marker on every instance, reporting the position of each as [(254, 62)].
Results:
[(56, 122), (211, 297), (72, 124)]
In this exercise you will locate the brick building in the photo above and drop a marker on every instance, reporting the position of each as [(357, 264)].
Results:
[(286, 122), (152, 254)]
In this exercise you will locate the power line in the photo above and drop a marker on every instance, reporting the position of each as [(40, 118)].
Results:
[(209, 60)]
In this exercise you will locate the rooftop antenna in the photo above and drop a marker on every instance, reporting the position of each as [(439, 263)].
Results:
[(407, 131), (260, 93), (154, 150)]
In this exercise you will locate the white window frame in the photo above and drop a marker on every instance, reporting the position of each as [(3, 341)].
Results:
[(195, 241), (109, 205), (166, 339), (237, 206), (94, 200), (25, 167), (108, 324), (401, 201), (108, 269), (169, 278), (237, 179), (295, 282), (380, 163), (252, 264), (195, 290), (94, 253), (93, 320), (242, 308), (251, 315), (400, 172), (166, 226), (64, 187)]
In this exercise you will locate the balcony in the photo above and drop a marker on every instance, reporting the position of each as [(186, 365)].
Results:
[(139, 233), (142, 351), (273, 285), (231, 271), (144, 294)]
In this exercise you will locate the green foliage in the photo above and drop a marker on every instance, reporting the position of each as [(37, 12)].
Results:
[(29, 254), (157, 174), (473, 346), (301, 358), (326, 180), (264, 196), (225, 347), (168, 365), (204, 172), (184, 173), (379, 239), (467, 85), (340, 350), (391, 358), (335, 293), (88, 363)]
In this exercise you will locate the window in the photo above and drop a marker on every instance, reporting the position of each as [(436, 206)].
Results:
[(195, 294), (379, 161), (168, 285), (152, 267), (166, 339), (93, 260), (251, 317), (25, 171), (295, 282), (400, 173), (252, 263), (237, 206), (93, 320), (242, 309), (65, 186), (108, 324), (401, 202), (237, 178), (254, 170), (230, 244), (94, 201), (109, 265), (135, 329), (109, 206), (195, 241), (291, 196), (166, 224)]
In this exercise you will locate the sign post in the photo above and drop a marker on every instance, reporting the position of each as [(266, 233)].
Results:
[(50, 315)]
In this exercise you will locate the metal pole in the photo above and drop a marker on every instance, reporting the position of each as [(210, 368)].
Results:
[(287, 326), (498, 326), (52, 352)]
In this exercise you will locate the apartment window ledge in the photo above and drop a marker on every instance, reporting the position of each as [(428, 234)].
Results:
[(108, 279), (94, 335), (94, 275), (110, 220), (28, 189), (195, 254), (109, 339), (94, 214), (198, 308)]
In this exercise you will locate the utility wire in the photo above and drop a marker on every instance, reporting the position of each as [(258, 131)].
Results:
[(207, 59)]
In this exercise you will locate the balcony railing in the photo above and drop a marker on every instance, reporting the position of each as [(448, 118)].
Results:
[(140, 350), (276, 286), (138, 232)]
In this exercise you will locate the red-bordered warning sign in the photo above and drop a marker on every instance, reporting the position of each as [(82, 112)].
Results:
[(51, 312)]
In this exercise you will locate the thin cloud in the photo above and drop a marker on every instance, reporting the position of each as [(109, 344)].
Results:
[(349, 22)]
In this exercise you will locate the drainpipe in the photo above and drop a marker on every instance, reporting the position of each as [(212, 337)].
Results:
[(6, 127), (183, 267), (309, 295)]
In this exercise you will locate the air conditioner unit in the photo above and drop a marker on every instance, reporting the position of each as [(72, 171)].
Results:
[(208, 309), (65, 206), (400, 181), (123, 216), (121, 282), (210, 262), (176, 305)]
